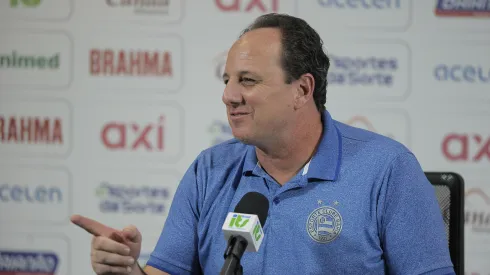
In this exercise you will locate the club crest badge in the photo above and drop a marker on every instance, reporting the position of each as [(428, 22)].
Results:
[(324, 224)]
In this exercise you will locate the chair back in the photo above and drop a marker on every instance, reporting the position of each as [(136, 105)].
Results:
[(449, 188)]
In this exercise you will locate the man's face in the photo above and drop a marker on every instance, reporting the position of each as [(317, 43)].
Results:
[(259, 103)]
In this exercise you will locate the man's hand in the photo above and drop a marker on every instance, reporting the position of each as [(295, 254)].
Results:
[(112, 251)]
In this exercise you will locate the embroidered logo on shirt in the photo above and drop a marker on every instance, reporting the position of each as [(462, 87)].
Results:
[(324, 224)]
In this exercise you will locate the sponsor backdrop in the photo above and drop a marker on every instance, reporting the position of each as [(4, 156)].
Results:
[(105, 103)]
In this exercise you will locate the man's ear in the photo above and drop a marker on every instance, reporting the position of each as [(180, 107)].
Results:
[(305, 86)]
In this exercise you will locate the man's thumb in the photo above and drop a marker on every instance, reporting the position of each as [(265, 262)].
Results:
[(132, 234)]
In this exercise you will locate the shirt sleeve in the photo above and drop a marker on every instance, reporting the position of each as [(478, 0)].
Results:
[(176, 251), (412, 229)]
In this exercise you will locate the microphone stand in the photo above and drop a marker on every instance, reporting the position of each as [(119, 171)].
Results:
[(233, 254)]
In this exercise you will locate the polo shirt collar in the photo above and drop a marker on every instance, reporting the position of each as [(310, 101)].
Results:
[(325, 163), (251, 163)]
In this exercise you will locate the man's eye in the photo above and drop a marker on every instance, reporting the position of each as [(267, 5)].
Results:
[(248, 80), (225, 81)]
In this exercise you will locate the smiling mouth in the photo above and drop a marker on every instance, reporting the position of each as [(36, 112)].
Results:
[(238, 114)]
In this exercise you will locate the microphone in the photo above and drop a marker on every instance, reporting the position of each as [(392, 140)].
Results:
[(243, 230)]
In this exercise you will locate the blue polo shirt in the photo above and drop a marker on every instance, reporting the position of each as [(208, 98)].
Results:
[(362, 205)]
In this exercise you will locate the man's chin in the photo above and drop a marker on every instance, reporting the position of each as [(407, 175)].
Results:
[(243, 135), (243, 138)]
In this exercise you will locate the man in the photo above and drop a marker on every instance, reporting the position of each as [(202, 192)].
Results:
[(342, 200)]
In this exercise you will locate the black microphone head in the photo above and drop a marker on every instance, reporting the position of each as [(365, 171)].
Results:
[(254, 203)]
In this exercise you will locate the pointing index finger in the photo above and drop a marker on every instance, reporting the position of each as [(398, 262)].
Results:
[(96, 228)]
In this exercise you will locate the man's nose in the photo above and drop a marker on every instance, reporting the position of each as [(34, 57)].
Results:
[(231, 94)]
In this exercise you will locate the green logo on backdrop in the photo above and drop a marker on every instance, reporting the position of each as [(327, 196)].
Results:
[(239, 221), (15, 60), (27, 3)]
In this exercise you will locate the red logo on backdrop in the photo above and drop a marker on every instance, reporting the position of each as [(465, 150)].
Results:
[(108, 62), (248, 5), (30, 130), (476, 215), (133, 136), (150, 7), (364, 123), (220, 62), (460, 147)]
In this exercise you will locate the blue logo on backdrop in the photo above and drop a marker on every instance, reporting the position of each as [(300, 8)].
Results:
[(19, 262), (220, 132), (130, 199), (143, 258), (30, 194), (466, 8), (367, 71), (462, 73), (361, 4)]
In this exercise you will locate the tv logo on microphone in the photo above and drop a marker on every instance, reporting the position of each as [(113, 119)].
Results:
[(239, 221), (257, 231), (245, 225)]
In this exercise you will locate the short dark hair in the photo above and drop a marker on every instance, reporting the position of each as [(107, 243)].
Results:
[(302, 51)]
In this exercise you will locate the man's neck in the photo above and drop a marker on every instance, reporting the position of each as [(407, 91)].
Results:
[(285, 158)]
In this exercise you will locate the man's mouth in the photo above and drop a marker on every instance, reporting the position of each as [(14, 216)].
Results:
[(238, 114)]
